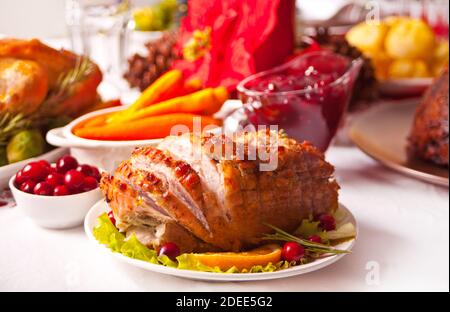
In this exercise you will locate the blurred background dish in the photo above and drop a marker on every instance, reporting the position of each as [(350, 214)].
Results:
[(382, 133), (408, 87), (400, 47)]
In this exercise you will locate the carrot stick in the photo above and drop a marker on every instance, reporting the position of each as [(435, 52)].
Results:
[(94, 121), (203, 102), (164, 84), (147, 128), (192, 85)]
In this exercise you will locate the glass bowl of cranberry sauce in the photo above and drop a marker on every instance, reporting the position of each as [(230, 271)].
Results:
[(306, 97)]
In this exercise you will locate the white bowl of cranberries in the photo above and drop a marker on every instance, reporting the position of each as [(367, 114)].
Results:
[(56, 195)]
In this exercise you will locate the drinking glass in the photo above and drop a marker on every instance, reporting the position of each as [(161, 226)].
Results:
[(97, 29)]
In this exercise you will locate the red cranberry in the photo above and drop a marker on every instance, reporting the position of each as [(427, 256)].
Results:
[(53, 168), (292, 251), (89, 183), (43, 188), (44, 163), (95, 173), (327, 222), (171, 250), (66, 163), (74, 180), (28, 186), (111, 217), (315, 239), (85, 169), (55, 179), (272, 87), (61, 190), (34, 171), (19, 178)]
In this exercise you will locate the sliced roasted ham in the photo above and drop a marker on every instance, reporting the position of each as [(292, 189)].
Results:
[(217, 191)]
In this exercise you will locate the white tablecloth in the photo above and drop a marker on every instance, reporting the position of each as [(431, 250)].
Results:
[(403, 245)]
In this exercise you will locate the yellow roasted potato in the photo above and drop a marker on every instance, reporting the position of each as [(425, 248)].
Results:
[(410, 39), (407, 68), (380, 62), (368, 37)]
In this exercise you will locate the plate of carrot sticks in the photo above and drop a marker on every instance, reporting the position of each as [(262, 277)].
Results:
[(169, 102)]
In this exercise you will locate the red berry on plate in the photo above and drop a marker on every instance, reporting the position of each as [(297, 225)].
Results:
[(95, 173), (315, 239), (55, 179), (19, 179), (111, 217), (43, 188), (66, 163), (74, 180), (85, 169), (34, 171), (171, 250), (61, 190), (292, 251), (327, 222), (89, 183), (28, 186)]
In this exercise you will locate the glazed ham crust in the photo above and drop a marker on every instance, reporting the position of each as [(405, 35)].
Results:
[(218, 201)]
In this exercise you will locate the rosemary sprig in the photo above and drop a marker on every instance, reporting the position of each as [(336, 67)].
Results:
[(10, 124), (281, 235), (83, 67)]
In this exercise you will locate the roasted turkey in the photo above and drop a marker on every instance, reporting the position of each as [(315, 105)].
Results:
[(429, 134), (31, 70), (209, 192)]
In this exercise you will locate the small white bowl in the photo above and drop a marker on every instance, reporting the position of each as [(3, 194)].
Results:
[(55, 212)]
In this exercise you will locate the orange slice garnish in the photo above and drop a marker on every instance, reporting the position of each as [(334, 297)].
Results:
[(241, 260)]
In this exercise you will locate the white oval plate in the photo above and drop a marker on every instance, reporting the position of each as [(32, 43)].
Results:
[(382, 133), (405, 87), (91, 221)]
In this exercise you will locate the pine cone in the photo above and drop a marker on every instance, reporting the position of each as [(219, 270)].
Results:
[(366, 86), (144, 70)]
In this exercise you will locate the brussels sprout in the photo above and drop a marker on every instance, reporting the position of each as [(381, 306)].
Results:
[(3, 159), (25, 144)]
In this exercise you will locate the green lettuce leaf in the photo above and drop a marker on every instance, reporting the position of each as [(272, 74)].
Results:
[(188, 262), (345, 231), (107, 234), (133, 248), (166, 261), (308, 227)]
